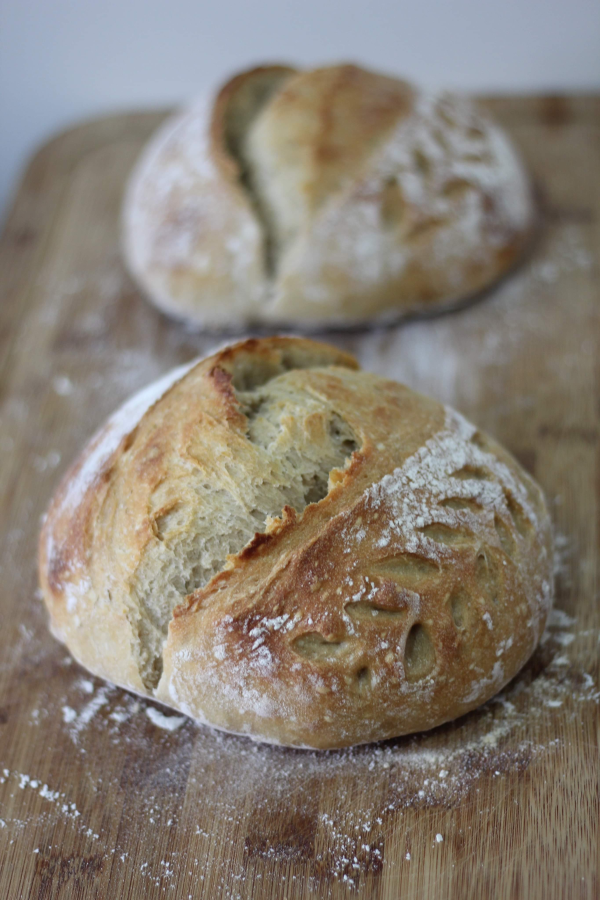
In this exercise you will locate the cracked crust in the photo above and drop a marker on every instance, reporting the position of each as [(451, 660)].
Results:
[(335, 196), (406, 581)]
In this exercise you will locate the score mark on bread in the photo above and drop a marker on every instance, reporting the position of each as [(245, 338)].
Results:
[(333, 196), (281, 545)]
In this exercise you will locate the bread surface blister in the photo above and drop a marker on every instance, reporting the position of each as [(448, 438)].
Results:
[(281, 545), (330, 197)]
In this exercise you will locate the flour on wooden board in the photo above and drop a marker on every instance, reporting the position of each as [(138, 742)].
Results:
[(169, 723), (423, 771), (439, 355), (61, 807), (499, 739)]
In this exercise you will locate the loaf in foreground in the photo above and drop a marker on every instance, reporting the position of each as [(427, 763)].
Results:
[(327, 197), (281, 545)]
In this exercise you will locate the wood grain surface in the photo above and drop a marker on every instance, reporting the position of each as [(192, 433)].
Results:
[(103, 795)]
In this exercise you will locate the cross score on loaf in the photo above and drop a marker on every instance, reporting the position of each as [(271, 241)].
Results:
[(281, 545)]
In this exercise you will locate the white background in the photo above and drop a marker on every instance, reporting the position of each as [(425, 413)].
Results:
[(64, 60)]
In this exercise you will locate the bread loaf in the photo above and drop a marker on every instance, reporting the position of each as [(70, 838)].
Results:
[(328, 197), (281, 545)]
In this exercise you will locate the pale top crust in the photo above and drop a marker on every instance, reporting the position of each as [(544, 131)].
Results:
[(335, 196), (408, 583)]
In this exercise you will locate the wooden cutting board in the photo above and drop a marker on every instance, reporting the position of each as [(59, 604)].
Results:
[(105, 796)]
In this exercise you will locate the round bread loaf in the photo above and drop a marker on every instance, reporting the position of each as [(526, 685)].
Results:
[(281, 545), (328, 197)]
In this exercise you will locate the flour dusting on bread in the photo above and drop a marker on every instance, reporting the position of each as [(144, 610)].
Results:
[(282, 546), (325, 197)]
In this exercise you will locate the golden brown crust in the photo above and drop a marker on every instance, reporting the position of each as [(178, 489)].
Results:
[(234, 94), (334, 118), (407, 595), (330, 196)]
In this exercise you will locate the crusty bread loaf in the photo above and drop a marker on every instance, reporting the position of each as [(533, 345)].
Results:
[(326, 197), (281, 545)]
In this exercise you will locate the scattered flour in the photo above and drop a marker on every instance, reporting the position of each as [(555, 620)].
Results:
[(62, 385), (69, 714), (439, 355), (437, 769), (169, 723), (62, 808), (89, 711), (559, 619), (249, 782)]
